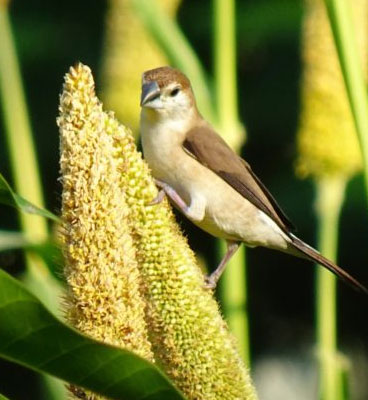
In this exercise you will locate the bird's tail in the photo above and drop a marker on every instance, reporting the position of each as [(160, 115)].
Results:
[(313, 255)]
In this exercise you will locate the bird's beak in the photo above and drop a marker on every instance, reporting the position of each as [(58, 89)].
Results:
[(150, 96)]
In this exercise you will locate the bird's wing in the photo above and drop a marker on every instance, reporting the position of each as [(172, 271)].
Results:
[(208, 148)]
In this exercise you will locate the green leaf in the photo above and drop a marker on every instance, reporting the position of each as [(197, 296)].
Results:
[(51, 254), (52, 388), (9, 198), (3, 397), (32, 337), (48, 250)]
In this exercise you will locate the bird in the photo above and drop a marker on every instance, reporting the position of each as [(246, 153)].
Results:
[(207, 181)]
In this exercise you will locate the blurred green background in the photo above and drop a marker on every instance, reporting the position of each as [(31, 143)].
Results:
[(52, 36)]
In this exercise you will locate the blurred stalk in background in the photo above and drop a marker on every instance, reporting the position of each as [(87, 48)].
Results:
[(129, 50), (25, 171), (233, 283), (329, 152), (353, 66), (179, 51)]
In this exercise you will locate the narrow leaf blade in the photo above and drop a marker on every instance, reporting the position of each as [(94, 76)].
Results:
[(12, 240), (31, 336), (48, 250), (10, 198)]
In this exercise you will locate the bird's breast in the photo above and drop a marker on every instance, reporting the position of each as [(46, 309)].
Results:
[(227, 214), (162, 148)]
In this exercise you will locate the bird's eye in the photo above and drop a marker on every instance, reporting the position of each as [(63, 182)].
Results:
[(174, 92)]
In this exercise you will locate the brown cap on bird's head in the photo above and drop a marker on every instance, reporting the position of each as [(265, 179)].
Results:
[(155, 81), (166, 75)]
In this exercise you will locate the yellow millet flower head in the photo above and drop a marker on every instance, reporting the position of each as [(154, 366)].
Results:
[(104, 295), (327, 140), (129, 48), (190, 340)]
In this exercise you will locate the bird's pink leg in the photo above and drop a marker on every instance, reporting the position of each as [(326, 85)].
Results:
[(175, 198), (158, 199), (211, 280), (232, 246)]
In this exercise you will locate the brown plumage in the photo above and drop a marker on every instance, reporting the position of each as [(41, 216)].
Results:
[(208, 148), (215, 188), (165, 75)]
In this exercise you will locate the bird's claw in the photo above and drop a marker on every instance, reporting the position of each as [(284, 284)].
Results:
[(210, 282), (158, 199), (160, 195)]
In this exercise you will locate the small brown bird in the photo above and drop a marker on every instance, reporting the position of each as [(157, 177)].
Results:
[(206, 180)]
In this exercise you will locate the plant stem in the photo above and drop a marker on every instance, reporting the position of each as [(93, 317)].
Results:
[(225, 73), (234, 300), (233, 285), (25, 172), (339, 12), (19, 137), (330, 198), (20, 144)]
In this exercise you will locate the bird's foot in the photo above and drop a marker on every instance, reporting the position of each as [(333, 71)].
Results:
[(210, 282), (158, 199), (160, 195)]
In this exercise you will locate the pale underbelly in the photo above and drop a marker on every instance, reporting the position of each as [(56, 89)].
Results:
[(235, 218), (227, 214)]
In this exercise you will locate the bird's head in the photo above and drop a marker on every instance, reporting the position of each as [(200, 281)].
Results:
[(167, 92)]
